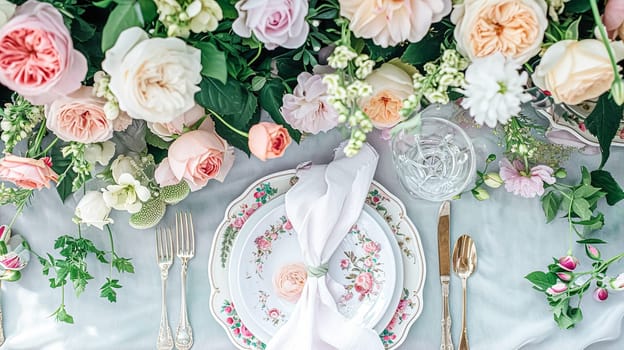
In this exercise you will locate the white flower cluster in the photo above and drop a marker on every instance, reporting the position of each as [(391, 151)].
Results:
[(344, 95), (435, 84), (18, 121), (101, 80), (181, 17)]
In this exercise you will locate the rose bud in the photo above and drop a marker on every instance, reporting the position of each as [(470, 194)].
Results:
[(557, 289), (564, 276), (601, 294), (592, 252), (568, 262), (618, 282)]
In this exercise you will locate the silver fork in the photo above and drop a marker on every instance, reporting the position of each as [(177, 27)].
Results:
[(164, 257), (185, 239)]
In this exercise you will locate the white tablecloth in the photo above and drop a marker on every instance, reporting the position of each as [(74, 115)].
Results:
[(503, 313)]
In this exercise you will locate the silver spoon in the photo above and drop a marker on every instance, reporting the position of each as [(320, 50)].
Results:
[(464, 264)]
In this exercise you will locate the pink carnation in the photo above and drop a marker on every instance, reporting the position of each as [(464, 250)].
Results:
[(527, 185)]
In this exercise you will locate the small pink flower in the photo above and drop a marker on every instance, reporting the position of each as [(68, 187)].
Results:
[(348, 296), (273, 236), (249, 212), (229, 320), (245, 332), (288, 225), (564, 276), (364, 283), (527, 185), (368, 262), (592, 252), (259, 194), (568, 262), (371, 247), (238, 223), (386, 337), (376, 199), (274, 313), (344, 264), (236, 331), (557, 289), (227, 309), (601, 294), (262, 243), (11, 261), (582, 127)]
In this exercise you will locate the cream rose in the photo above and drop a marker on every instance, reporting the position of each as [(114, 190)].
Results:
[(166, 131), (289, 281), (79, 117), (575, 71), (389, 22), (101, 152), (7, 10), (514, 28), (153, 79), (391, 85)]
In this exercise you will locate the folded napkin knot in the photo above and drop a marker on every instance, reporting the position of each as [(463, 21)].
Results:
[(318, 271)]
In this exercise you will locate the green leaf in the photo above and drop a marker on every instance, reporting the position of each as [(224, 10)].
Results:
[(61, 315), (603, 123), (229, 11), (123, 265), (606, 182), (108, 290), (428, 49), (154, 140), (577, 6), (591, 241), (572, 33), (103, 3), (148, 10), (585, 176), (550, 204), (542, 280), (271, 101), (585, 191), (212, 61), (593, 223), (580, 207), (121, 18), (59, 165), (257, 83), (82, 30)]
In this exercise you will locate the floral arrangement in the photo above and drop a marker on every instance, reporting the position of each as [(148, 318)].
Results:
[(133, 104)]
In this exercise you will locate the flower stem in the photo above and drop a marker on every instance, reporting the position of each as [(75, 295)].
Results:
[(241, 133), (605, 39), (113, 254), (256, 56), (47, 149)]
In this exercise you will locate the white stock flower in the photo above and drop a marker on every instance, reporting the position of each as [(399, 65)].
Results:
[(93, 210), (494, 89), (126, 195), (7, 10), (123, 165), (205, 15), (99, 152)]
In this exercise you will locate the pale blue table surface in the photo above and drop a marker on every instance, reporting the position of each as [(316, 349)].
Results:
[(504, 312)]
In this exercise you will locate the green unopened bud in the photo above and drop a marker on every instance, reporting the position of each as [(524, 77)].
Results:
[(491, 158), (561, 173), (617, 91), (480, 194), (493, 180)]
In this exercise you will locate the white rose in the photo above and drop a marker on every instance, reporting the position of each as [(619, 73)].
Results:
[(514, 28), (127, 195), (122, 165), (7, 10), (575, 71), (153, 79), (391, 85), (93, 211), (99, 152)]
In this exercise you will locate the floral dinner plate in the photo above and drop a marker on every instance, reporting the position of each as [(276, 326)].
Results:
[(366, 271), (271, 187)]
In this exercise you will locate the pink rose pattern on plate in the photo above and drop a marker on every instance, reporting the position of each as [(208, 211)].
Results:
[(262, 194), (376, 200), (264, 242), (272, 314), (365, 274)]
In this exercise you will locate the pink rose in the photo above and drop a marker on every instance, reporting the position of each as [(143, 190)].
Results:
[(273, 236), (307, 108), (229, 320), (368, 262), (568, 262), (262, 243), (529, 184), (274, 313), (37, 56), (268, 140), (238, 223), (613, 18), (180, 124), (245, 332), (236, 331), (344, 263), (288, 225), (27, 173), (79, 117), (273, 22), (228, 309), (364, 283), (289, 281), (371, 247), (196, 156)]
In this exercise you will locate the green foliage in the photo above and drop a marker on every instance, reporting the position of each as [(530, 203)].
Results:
[(212, 61), (605, 181), (108, 290), (603, 123), (122, 17)]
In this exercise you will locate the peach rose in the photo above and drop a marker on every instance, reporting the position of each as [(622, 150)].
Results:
[(177, 126), (196, 156), (268, 140), (37, 56), (27, 173), (514, 28), (79, 117), (391, 85), (613, 18), (289, 281), (389, 22), (575, 71)]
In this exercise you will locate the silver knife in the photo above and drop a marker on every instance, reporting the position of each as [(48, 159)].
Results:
[(444, 263)]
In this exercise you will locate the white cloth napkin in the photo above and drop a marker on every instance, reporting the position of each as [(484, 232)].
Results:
[(323, 205)]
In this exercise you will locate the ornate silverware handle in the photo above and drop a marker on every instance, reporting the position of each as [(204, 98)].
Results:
[(165, 339), (184, 333), (447, 340)]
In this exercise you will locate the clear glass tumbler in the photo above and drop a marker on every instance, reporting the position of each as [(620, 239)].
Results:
[(436, 161)]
